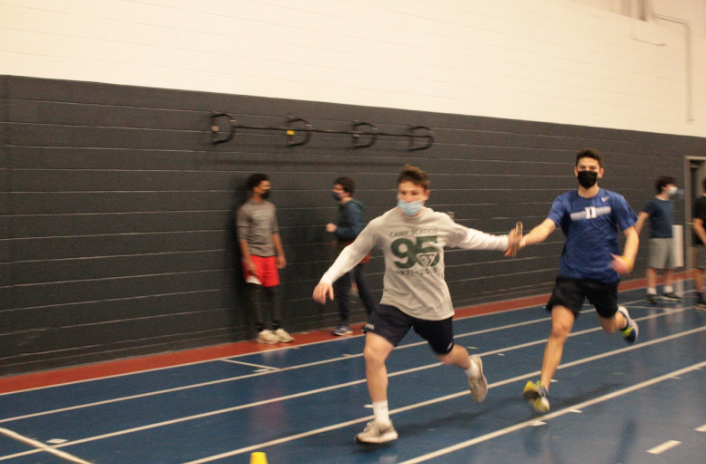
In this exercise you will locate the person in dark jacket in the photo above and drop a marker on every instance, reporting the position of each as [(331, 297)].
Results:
[(348, 225)]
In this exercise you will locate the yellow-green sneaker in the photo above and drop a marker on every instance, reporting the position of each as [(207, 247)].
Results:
[(536, 394), (631, 331)]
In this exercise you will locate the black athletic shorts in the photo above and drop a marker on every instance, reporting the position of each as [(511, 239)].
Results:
[(392, 324), (571, 293)]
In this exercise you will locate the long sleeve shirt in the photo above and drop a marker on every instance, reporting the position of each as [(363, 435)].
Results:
[(413, 248)]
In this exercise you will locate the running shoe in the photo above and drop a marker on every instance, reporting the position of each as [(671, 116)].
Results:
[(701, 304), (671, 296), (651, 299), (536, 395), (283, 336), (631, 331), (343, 329), (266, 336), (375, 432), (478, 384)]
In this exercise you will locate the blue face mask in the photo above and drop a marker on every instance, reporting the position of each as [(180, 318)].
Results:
[(410, 208), (336, 196)]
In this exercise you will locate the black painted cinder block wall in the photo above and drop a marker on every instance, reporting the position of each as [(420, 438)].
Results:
[(116, 226)]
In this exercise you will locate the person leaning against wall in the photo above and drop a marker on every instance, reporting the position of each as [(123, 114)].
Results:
[(348, 225), (660, 212), (699, 219), (263, 256)]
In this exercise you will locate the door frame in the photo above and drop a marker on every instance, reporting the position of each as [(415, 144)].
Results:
[(688, 192)]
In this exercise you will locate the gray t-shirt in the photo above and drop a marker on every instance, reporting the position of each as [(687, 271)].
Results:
[(414, 259), (257, 223)]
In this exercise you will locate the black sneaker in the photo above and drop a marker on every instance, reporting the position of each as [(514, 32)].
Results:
[(671, 296), (701, 304), (651, 299)]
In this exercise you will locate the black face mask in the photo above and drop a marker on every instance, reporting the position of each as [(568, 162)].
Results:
[(588, 179), (265, 195)]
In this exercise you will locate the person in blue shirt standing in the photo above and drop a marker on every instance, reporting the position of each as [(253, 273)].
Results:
[(590, 265), (660, 211), (348, 225)]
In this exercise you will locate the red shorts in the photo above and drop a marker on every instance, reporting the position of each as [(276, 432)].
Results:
[(266, 275)]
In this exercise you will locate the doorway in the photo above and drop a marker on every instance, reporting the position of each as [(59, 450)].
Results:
[(695, 172)]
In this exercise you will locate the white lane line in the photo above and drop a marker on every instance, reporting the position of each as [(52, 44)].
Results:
[(42, 447), (355, 421), (333, 340), (522, 425), (429, 366), (667, 445), (232, 361), (702, 428), (247, 376)]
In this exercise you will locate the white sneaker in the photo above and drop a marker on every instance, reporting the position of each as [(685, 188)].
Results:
[(478, 384), (266, 336), (376, 433), (283, 336)]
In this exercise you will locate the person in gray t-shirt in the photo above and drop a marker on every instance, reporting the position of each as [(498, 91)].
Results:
[(660, 212), (263, 255), (415, 295)]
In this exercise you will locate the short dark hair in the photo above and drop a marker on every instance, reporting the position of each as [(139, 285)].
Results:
[(255, 180), (590, 153), (346, 184), (663, 181), (415, 175)]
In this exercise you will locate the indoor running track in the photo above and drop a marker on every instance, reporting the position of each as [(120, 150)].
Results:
[(611, 402)]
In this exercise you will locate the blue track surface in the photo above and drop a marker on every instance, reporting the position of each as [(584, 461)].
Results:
[(611, 402)]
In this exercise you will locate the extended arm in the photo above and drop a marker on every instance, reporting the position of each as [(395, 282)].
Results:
[(539, 233), (477, 240), (641, 218), (347, 260)]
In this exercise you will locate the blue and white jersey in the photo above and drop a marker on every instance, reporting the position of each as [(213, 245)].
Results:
[(591, 226)]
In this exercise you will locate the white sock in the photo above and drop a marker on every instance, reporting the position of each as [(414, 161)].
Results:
[(668, 289), (472, 371), (651, 291), (380, 411)]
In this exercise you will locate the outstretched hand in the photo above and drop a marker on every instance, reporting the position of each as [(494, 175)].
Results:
[(322, 291), (515, 243)]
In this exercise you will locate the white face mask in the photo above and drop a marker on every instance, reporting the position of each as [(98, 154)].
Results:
[(673, 191)]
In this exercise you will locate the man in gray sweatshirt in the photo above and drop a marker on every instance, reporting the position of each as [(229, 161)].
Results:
[(415, 295)]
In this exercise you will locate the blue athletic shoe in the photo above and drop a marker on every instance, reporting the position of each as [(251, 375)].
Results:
[(631, 331)]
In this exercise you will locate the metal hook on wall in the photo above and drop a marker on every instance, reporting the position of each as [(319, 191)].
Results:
[(294, 126)]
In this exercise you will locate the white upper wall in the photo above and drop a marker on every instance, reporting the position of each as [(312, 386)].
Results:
[(543, 60)]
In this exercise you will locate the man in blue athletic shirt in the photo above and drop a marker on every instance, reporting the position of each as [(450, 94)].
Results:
[(660, 212), (590, 266)]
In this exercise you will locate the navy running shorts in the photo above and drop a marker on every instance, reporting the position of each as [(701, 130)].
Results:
[(392, 324)]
